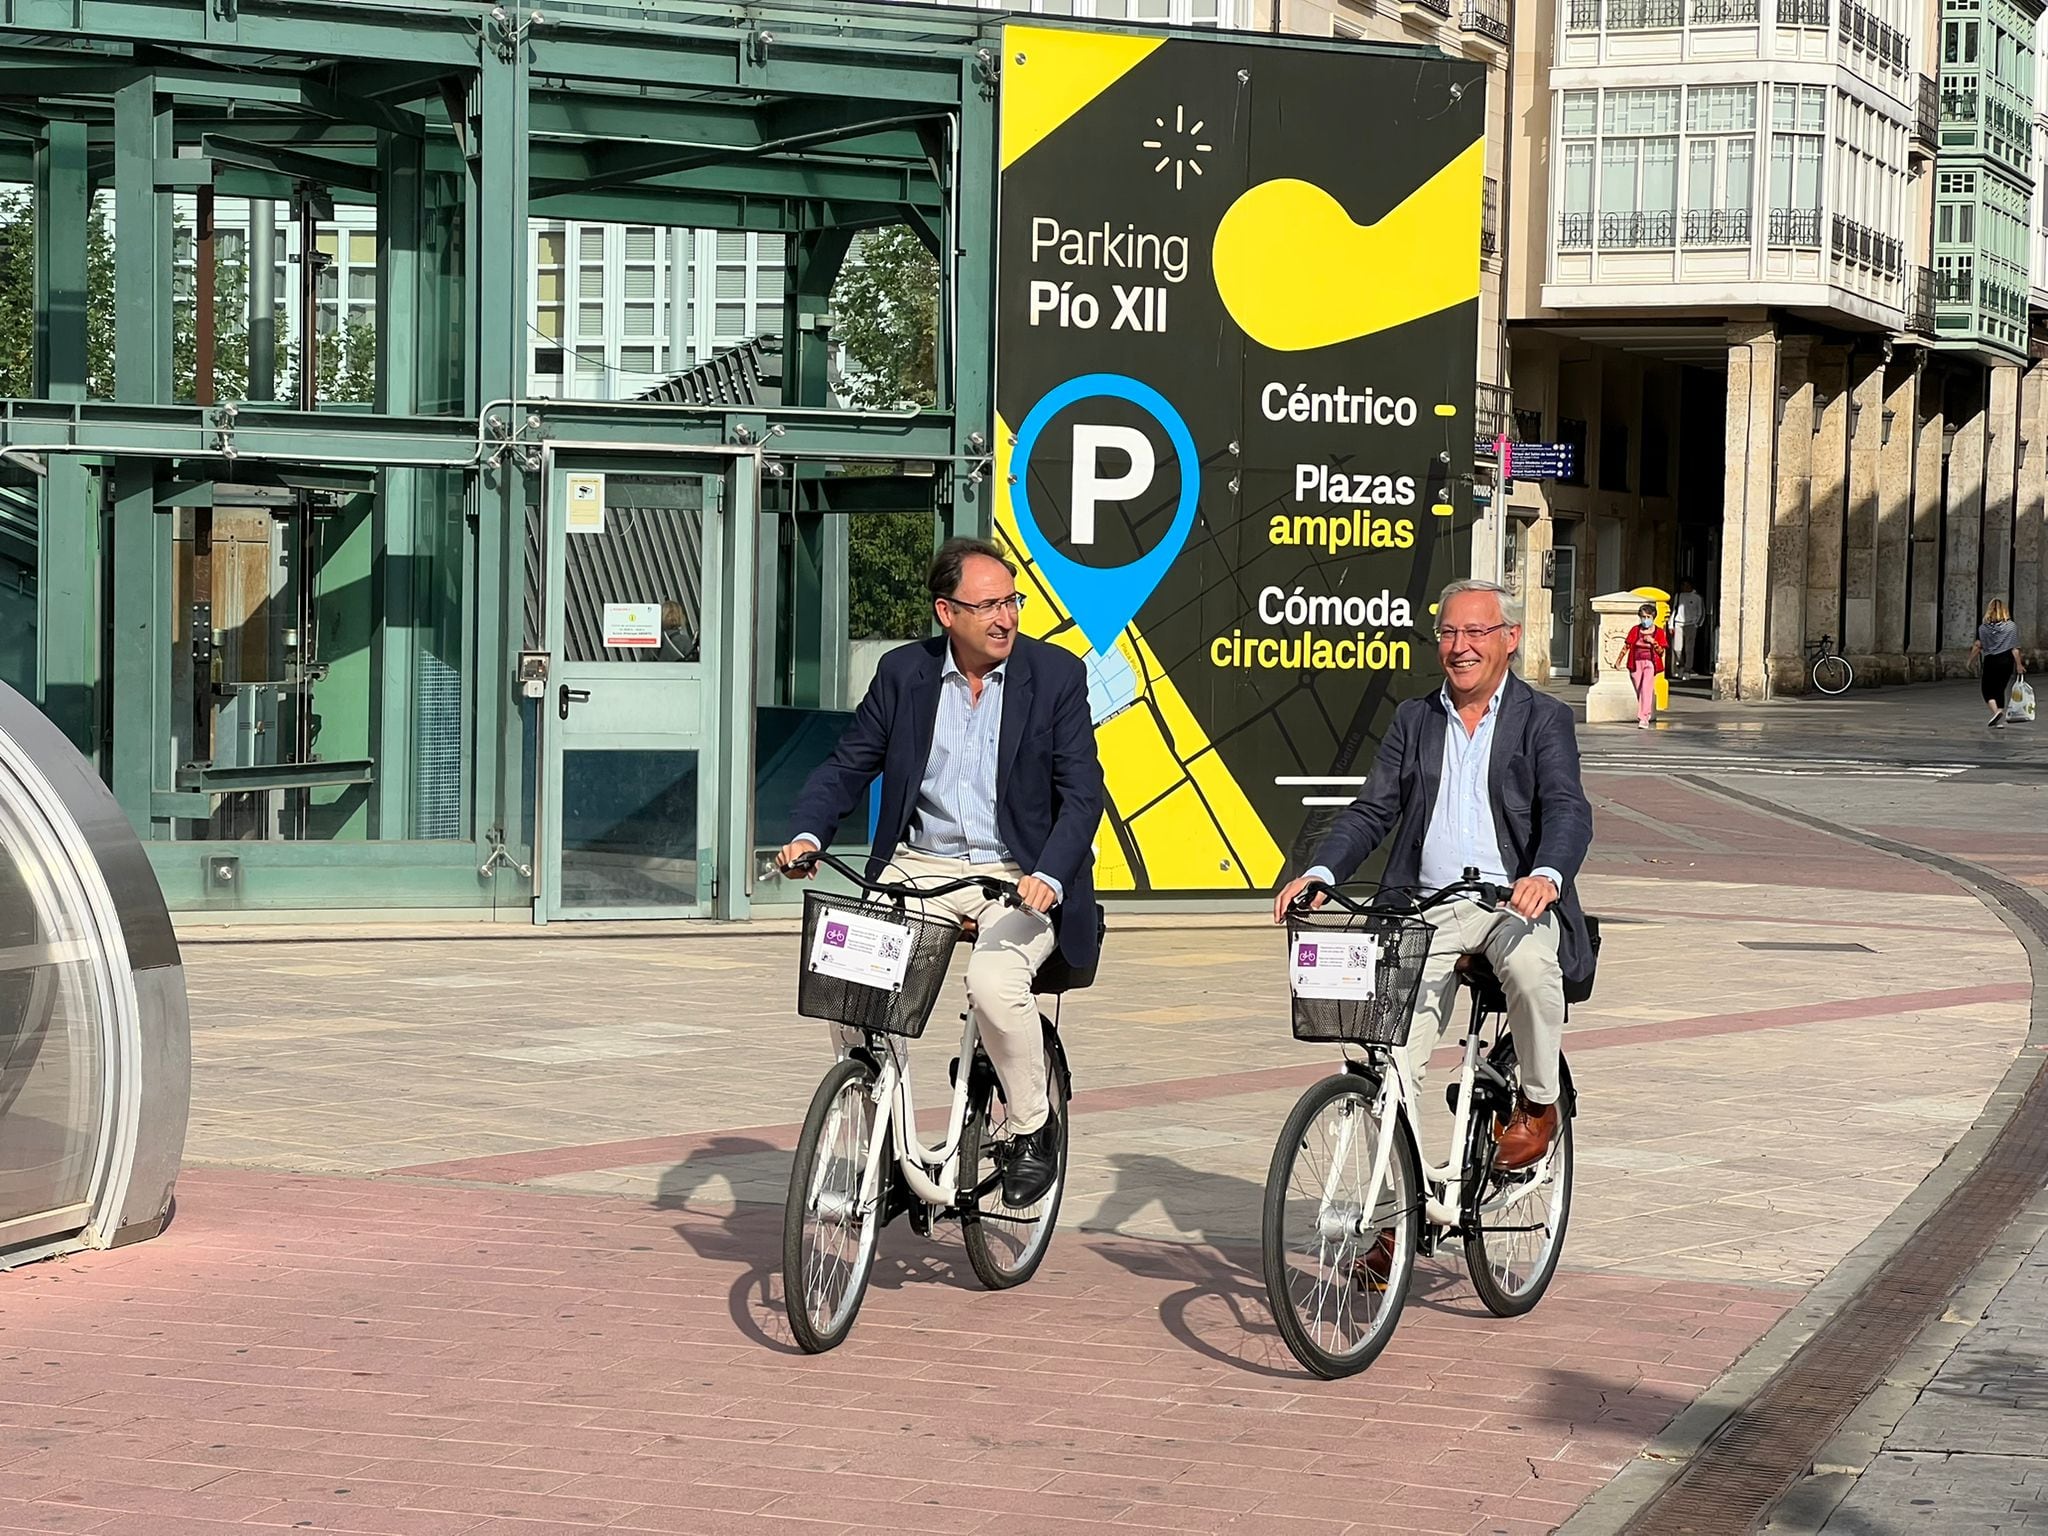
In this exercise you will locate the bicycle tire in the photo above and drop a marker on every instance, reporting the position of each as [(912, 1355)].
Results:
[(1005, 1246), (1833, 675), (1490, 1267), (1341, 1277), (810, 1186)]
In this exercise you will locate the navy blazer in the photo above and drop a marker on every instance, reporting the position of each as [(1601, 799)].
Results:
[(1048, 776), (1540, 813)]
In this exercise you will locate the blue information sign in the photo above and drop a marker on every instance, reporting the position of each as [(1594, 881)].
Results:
[(1544, 461)]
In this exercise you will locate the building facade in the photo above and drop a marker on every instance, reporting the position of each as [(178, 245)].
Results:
[(1779, 304)]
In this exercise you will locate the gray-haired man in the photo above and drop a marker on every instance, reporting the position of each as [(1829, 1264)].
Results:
[(1482, 774)]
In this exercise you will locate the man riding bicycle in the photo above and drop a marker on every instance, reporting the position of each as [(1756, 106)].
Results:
[(986, 751), (1482, 774)]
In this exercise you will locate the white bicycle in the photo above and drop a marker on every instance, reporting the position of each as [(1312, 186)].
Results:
[(1350, 1201), (860, 1162)]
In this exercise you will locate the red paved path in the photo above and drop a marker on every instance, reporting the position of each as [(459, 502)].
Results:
[(381, 1355)]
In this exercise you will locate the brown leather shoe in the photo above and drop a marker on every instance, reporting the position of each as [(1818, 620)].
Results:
[(1371, 1269), (1526, 1137)]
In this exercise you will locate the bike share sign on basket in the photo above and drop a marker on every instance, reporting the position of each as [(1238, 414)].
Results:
[(855, 947)]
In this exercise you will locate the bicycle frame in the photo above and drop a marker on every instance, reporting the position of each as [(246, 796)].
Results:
[(896, 1124), (1444, 1184)]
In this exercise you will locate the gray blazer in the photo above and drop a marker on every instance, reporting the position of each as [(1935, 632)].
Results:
[(1540, 813)]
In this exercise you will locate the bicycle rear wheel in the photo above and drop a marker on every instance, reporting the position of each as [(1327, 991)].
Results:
[(1515, 1226), (1833, 675), (828, 1241), (1337, 1260), (1006, 1244)]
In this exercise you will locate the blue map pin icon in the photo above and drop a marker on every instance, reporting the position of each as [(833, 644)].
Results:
[(1103, 599)]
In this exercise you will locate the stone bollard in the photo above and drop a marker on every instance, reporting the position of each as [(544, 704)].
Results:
[(1612, 696)]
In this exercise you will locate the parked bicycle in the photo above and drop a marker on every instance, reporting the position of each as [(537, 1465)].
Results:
[(875, 963), (1350, 1202), (1832, 673)]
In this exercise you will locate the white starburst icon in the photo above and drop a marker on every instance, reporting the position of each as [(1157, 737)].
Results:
[(1181, 154)]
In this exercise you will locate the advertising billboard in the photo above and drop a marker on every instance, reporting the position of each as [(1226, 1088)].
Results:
[(1237, 321)]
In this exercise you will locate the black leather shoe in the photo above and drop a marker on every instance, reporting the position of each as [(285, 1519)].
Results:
[(1029, 1167)]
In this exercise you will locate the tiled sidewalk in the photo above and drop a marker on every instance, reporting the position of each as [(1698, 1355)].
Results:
[(483, 1230)]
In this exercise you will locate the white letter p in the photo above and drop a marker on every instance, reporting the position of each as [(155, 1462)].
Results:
[(1089, 485)]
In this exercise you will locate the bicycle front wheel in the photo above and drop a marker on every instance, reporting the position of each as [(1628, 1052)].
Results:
[(828, 1240), (1006, 1244), (1514, 1232), (1832, 675), (1339, 1254)]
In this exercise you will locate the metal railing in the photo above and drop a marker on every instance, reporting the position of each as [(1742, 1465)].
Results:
[(1802, 13), (1575, 231), (1862, 28), (1920, 301), (1638, 231), (1795, 227), (1955, 285), (1441, 7), (1644, 15), (1486, 17), (1859, 243), (1489, 216), (1490, 412), (1927, 113), (1717, 226), (1959, 106), (1726, 13)]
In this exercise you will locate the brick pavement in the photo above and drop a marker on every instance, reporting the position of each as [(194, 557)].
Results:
[(482, 1229)]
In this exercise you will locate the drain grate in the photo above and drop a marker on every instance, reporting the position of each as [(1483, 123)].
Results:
[(1812, 949), (1768, 1444)]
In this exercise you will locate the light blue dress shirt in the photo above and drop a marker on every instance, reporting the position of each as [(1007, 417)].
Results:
[(1461, 833)]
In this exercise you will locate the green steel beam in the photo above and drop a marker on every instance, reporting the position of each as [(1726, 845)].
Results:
[(418, 30), (289, 164), (401, 216), (69, 655), (970, 328), (815, 259)]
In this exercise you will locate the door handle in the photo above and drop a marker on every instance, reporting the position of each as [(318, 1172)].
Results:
[(567, 696)]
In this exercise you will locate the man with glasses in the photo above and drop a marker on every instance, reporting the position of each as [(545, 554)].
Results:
[(1482, 774), (986, 752)]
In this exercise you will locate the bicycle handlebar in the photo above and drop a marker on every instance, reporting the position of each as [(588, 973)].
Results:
[(989, 885), (1489, 896)]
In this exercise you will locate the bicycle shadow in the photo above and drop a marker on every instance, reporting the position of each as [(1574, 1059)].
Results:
[(1220, 1310), (730, 1221)]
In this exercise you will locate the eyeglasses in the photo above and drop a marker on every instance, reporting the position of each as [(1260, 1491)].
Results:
[(1471, 634), (1014, 603)]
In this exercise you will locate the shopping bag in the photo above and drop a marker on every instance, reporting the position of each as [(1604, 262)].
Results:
[(2019, 704)]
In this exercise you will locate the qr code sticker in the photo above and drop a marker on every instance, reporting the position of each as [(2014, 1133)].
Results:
[(892, 946)]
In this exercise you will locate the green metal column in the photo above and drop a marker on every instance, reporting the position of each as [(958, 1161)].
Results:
[(818, 611), (401, 166), (497, 255), (736, 691), (68, 617), (815, 259), (975, 294), (142, 622)]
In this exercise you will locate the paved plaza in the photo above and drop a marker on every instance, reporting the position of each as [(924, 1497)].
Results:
[(481, 1228)]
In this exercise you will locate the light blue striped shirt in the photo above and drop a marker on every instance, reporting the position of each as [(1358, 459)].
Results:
[(956, 804)]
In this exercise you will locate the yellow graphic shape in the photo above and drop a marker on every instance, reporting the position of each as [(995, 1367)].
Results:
[(1059, 73), (1177, 799), (1296, 273)]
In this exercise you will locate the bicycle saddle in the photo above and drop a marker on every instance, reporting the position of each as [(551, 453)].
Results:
[(1476, 972)]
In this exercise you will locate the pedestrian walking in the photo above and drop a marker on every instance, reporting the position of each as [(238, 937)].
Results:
[(1998, 643), (1688, 617), (1642, 654)]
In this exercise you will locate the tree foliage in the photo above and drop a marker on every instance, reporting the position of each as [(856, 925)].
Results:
[(886, 308)]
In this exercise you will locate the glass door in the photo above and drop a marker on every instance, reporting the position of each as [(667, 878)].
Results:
[(630, 771), (1564, 607)]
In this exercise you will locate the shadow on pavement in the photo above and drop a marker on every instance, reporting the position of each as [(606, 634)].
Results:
[(750, 1235)]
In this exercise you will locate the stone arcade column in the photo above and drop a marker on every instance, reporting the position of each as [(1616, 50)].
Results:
[(1786, 665), (1923, 600), (2001, 488), (1826, 497), (1898, 438), (1964, 532), (2032, 506), (1859, 529), (1748, 495)]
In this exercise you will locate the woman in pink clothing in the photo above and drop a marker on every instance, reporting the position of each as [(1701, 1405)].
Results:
[(1642, 653)]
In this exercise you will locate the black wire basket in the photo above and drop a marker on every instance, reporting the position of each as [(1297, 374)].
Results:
[(903, 1010), (1400, 945)]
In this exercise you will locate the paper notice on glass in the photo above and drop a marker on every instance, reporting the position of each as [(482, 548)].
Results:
[(632, 626), (868, 950), (1334, 965), (586, 503)]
